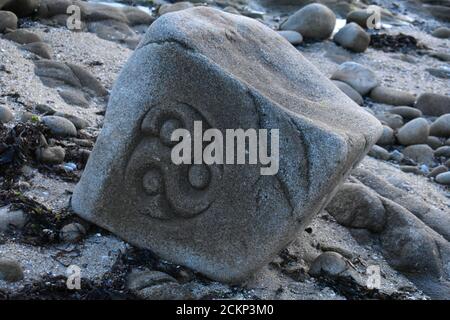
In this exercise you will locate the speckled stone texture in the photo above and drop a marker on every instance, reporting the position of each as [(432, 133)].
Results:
[(230, 72)]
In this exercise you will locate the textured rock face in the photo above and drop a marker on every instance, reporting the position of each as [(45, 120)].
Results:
[(229, 72)]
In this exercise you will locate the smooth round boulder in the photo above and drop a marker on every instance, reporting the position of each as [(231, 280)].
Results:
[(414, 132), (8, 20), (78, 122), (433, 104), (407, 113), (22, 8), (434, 142), (72, 232), (387, 137), (15, 218), (349, 91), (393, 121), (359, 77), (359, 17), (60, 126), (443, 151), (293, 37), (169, 7), (51, 155), (420, 153), (437, 171), (41, 49), (328, 264), (441, 126), (392, 97), (353, 38), (314, 22), (356, 206), (378, 152), (443, 178), (22, 36), (10, 270), (441, 32), (5, 114)]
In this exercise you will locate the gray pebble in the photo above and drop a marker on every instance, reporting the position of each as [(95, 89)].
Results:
[(5, 114), (60, 126), (10, 270), (72, 232)]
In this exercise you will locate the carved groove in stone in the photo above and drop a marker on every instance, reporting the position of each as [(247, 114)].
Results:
[(165, 190)]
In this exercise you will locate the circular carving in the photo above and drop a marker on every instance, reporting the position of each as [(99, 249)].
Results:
[(152, 182), (199, 176), (167, 128)]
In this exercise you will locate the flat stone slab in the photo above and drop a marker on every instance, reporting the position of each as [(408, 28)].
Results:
[(229, 72)]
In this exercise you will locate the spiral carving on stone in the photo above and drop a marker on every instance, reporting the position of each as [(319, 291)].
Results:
[(161, 189)]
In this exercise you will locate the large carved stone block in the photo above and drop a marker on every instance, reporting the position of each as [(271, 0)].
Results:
[(229, 72)]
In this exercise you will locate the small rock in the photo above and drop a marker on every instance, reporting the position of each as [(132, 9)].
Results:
[(166, 8), (293, 37), (156, 285), (352, 37), (443, 152), (22, 8), (434, 142), (407, 113), (411, 169), (41, 49), (441, 126), (392, 97), (387, 137), (442, 56), (441, 72), (232, 10), (379, 153), (8, 20), (443, 178), (397, 156), (359, 17), (74, 97), (87, 80), (15, 218), (438, 170), (5, 114), (10, 270), (72, 232), (328, 264), (393, 121), (360, 78), (447, 163), (305, 21), (78, 122), (83, 142), (60, 126), (28, 116), (442, 33), (420, 153), (22, 36), (51, 155), (356, 206), (433, 104), (414, 132), (44, 109), (349, 91)]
